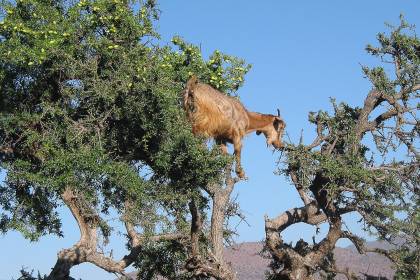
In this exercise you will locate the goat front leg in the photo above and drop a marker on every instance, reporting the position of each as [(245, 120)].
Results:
[(237, 146)]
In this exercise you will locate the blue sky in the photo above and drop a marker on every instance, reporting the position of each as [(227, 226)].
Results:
[(302, 52)]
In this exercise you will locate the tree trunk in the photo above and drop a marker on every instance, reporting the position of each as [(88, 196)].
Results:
[(217, 220), (300, 273), (67, 258)]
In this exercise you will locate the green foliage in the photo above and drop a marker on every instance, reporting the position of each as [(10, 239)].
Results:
[(26, 275), (408, 266), (404, 45), (88, 102), (166, 259), (336, 160), (223, 72)]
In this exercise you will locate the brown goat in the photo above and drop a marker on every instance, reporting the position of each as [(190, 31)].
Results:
[(223, 118)]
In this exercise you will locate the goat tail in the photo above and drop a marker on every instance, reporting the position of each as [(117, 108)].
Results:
[(189, 94)]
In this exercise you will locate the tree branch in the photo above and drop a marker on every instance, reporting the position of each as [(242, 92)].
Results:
[(346, 272), (372, 101), (303, 195), (196, 224), (212, 263), (327, 244), (309, 214), (85, 250), (319, 138), (361, 247), (411, 89), (357, 241)]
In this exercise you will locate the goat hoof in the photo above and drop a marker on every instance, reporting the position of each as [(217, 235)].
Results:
[(241, 174)]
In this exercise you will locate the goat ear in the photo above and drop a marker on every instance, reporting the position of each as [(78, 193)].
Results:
[(278, 122), (258, 132)]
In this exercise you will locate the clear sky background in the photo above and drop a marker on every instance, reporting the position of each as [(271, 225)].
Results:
[(302, 52)]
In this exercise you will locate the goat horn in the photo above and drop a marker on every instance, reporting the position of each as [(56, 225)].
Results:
[(278, 112)]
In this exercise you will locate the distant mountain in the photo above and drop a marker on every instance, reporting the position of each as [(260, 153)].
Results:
[(250, 265), (246, 260)]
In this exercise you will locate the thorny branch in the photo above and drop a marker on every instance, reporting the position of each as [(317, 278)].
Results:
[(85, 250)]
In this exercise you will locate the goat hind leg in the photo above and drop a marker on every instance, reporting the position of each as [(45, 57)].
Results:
[(222, 145)]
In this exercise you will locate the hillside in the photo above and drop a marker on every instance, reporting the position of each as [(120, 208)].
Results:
[(250, 265)]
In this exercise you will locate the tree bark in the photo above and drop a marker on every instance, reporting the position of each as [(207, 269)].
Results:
[(212, 262), (217, 219), (85, 250)]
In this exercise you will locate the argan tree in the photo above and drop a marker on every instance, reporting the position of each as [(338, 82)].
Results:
[(90, 119), (364, 160)]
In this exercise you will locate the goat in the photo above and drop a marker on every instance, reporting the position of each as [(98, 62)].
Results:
[(216, 115)]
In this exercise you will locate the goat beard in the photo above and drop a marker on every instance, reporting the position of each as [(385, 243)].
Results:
[(271, 148)]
